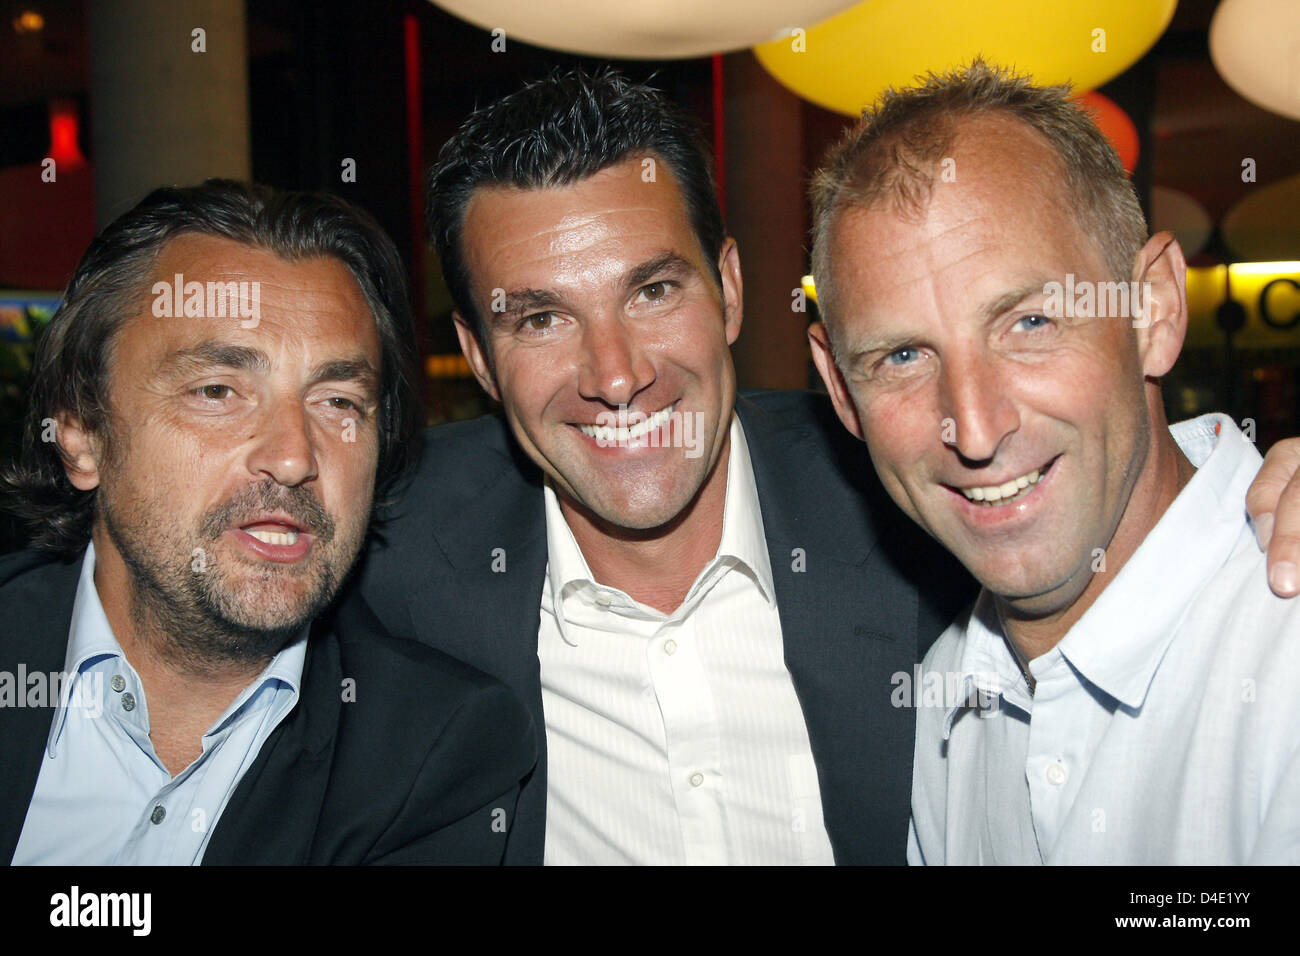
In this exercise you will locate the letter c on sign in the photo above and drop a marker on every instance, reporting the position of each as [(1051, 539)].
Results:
[(1290, 323)]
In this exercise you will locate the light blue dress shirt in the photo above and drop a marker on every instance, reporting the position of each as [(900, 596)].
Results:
[(1164, 727), (103, 796)]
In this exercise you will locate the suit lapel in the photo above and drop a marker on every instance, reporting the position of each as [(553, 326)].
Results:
[(271, 818), (495, 546), (848, 624), (38, 613)]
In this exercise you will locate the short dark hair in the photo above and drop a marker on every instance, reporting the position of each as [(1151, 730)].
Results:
[(558, 131), (70, 373)]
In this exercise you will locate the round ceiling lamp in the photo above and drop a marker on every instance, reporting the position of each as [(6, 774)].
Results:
[(1176, 212), (1255, 46), (654, 30), (845, 62), (1265, 226)]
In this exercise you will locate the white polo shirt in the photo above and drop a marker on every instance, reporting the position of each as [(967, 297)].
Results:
[(1164, 727)]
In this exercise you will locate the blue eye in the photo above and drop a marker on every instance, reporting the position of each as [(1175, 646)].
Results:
[(901, 356), (1034, 321)]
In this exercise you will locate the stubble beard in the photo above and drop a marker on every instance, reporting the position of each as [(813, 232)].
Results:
[(184, 603)]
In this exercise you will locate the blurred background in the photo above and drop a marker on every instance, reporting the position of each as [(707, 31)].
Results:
[(100, 100)]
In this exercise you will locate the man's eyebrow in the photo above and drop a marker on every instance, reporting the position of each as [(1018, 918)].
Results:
[(994, 307), (666, 263), (357, 370), (880, 345), (521, 300), (1001, 304), (212, 353)]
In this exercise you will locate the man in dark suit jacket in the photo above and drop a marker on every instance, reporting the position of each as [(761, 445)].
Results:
[(198, 469), (860, 594), (422, 767)]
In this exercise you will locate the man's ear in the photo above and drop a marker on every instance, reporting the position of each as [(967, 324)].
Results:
[(1161, 273), (824, 358), (733, 290), (477, 358), (79, 450)]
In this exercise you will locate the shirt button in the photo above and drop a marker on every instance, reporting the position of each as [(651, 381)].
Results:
[(1056, 773), (670, 647), (128, 702), (603, 599), (157, 816), (697, 779), (118, 683)]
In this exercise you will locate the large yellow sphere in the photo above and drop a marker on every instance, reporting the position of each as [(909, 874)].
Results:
[(846, 61)]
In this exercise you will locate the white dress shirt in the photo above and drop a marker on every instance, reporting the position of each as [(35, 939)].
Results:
[(103, 796), (1164, 727), (675, 738)]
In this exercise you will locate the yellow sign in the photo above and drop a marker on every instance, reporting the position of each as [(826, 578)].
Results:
[(1269, 292)]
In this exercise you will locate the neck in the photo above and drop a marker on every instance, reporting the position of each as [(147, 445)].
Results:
[(657, 566), (185, 694), (1164, 474)]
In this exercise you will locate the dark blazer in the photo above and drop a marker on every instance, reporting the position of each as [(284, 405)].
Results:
[(410, 771), (861, 593)]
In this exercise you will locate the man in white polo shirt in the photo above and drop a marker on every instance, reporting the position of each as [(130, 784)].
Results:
[(997, 324)]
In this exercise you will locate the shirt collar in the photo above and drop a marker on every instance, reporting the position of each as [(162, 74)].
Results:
[(91, 639), (1119, 642), (988, 668), (743, 536), (743, 539)]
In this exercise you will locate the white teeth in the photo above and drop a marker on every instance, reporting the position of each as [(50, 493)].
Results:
[(274, 537), (620, 435), (1010, 489)]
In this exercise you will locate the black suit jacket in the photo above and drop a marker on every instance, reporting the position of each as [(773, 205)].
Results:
[(861, 593), (423, 766)]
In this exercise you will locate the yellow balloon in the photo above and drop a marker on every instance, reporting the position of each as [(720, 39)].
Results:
[(845, 62)]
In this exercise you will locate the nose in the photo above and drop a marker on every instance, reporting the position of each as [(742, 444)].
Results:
[(615, 366), (283, 448), (974, 394)]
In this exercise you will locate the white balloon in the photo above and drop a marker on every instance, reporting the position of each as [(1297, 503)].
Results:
[(1265, 226), (644, 29), (1176, 212), (1255, 45)]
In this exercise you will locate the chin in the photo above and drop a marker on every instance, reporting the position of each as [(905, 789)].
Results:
[(1034, 587), (274, 602)]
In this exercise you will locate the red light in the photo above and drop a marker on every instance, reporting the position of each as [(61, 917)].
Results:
[(65, 130)]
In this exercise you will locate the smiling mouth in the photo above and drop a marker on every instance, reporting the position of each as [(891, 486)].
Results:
[(1009, 491), (622, 434)]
